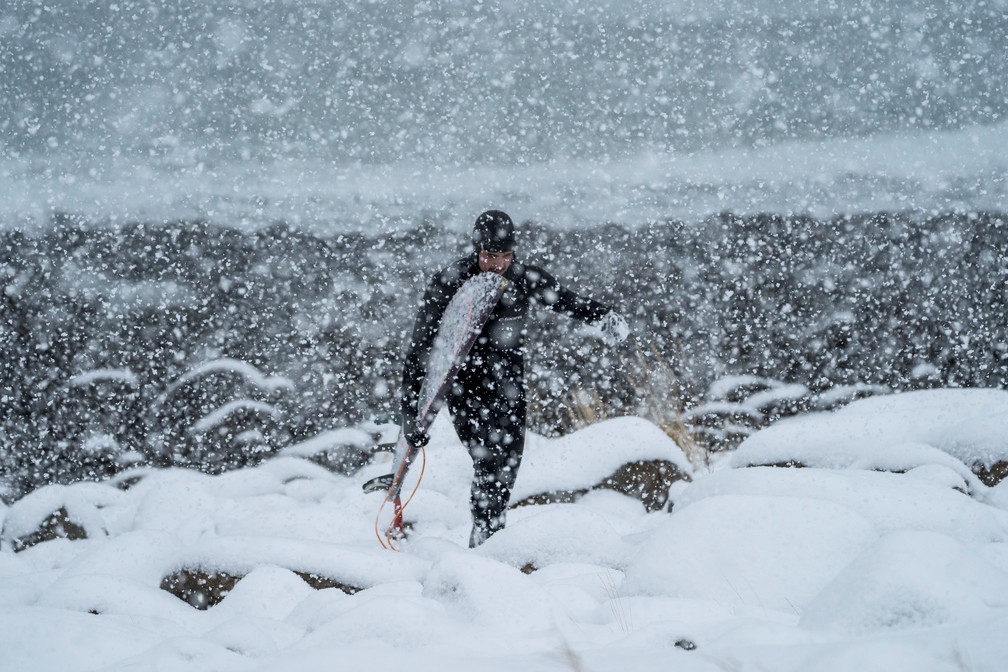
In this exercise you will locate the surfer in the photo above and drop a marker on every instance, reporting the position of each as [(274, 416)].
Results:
[(487, 401)]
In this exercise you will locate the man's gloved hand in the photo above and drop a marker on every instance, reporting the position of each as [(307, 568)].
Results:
[(613, 327), (414, 436)]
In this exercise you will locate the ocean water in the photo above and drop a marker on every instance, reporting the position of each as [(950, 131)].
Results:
[(362, 115)]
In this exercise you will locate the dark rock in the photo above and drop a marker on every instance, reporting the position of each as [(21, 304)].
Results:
[(645, 480), (649, 481), (787, 464), (202, 589), (840, 308), (199, 588), (552, 497), (58, 525), (319, 582), (993, 474)]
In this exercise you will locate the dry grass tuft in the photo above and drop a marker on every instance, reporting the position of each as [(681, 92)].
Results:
[(658, 397)]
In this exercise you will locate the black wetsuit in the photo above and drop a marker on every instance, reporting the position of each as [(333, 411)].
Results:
[(487, 402)]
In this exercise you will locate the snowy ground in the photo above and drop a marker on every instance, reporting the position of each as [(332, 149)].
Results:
[(885, 553)]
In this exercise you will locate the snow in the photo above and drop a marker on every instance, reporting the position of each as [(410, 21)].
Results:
[(218, 417), (902, 581), (328, 440), (834, 566), (572, 462), (251, 374), (878, 549), (885, 432), (123, 376), (83, 504)]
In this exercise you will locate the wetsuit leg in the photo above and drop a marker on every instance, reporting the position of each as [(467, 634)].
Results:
[(489, 417)]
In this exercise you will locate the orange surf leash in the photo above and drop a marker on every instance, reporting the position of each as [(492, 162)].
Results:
[(395, 528)]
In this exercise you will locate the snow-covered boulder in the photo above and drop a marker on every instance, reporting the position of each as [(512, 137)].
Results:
[(58, 512), (124, 378), (761, 567), (746, 551), (233, 368), (799, 541), (629, 455), (962, 431), (878, 590)]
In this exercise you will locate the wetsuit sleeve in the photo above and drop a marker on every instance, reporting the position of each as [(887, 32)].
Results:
[(548, 291), (436, 299)]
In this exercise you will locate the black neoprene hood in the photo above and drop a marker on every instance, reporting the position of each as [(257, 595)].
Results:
[(494, 232)]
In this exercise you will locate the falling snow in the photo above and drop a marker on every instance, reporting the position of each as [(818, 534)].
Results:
[(216, 222)]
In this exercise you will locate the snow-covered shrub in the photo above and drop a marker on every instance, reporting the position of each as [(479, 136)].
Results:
[(99, 422), (735, 407), (219, 416), (343, 451), (845, 306)]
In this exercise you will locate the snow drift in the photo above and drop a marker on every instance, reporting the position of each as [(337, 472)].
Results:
[(837, 565)]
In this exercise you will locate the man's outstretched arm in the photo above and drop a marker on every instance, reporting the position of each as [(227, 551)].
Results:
[(548, 291)]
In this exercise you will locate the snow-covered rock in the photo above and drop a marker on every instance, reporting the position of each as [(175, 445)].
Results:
[(903, 581), (54, 512), (822, 569), (630, 455), (965, 431)]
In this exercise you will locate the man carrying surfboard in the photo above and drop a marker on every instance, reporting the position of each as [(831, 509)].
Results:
[(487, 400)]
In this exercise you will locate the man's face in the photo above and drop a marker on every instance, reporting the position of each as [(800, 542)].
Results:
[(495, 262)]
